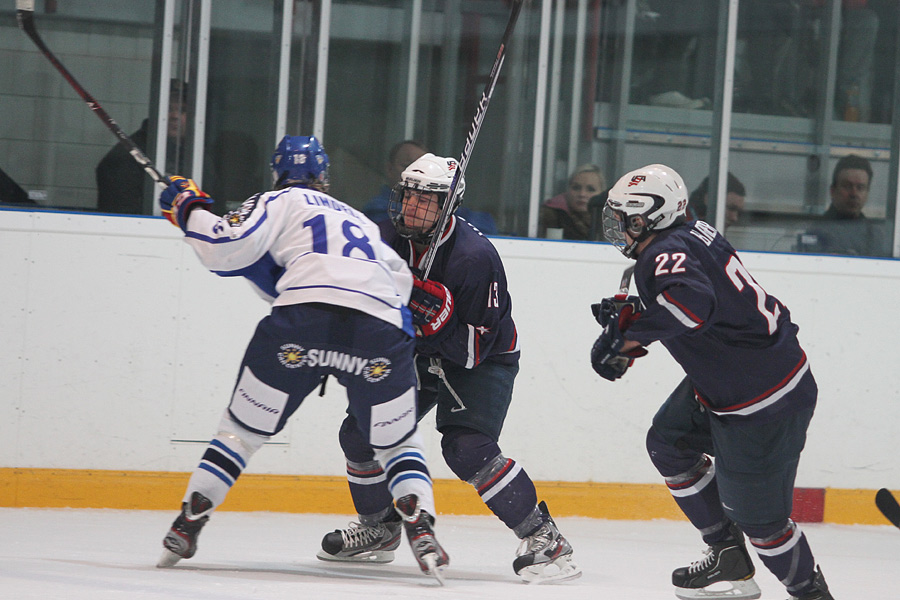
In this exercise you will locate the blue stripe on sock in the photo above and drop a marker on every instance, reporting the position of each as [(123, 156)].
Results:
[(230, 452), (409, 475), (414, 455), (216, 472)]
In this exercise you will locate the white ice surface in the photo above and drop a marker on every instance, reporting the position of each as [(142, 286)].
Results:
[(72, 554)]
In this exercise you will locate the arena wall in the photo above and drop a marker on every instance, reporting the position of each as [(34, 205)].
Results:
[(120, 351)]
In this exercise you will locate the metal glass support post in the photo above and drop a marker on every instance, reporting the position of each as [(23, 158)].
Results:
[(165, 75), (284, 70), (412, 73), (322, 70), (534, 197), (200, 82), (817, 176), (893, 192), (577, 83), (621, 91), (553, 108), (720, 136)]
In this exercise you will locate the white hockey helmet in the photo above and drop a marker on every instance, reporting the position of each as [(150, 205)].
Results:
[(648, 199), (429, 173)]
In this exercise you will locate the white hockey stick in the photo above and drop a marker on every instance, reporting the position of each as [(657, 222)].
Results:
[(25, 16), (470, 139)]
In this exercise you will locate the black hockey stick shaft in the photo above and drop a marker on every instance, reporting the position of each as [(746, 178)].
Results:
[(444, 217), (25, 16), (888, 506)]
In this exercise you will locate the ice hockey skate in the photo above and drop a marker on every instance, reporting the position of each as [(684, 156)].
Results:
[(181, 541), (724, 573), (821, 592), (363, 543), (420, 532), (545, 556)]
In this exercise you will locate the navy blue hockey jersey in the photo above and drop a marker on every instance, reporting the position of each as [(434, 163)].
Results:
[(468, 265), (736, 342)]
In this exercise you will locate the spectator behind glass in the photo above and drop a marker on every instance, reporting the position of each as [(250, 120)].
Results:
[(844, 229), (569, 211), (735, 195), (121, 180), (401, 156)]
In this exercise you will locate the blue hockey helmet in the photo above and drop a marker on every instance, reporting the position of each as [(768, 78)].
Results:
[(301, 161)]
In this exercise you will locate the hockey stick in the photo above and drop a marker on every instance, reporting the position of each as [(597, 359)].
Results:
[(25, 16), (444, 217), (625, 282), (888, 506)]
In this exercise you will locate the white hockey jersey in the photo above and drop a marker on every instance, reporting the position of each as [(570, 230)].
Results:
[(298, 245)]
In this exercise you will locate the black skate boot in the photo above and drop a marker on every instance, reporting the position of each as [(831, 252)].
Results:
[(545, 556), (821, 589), (419, 526), (726, 561), (363, 543), (181, 541)]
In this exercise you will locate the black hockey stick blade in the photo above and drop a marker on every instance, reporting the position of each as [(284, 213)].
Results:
[(25, 17), (444, 217), (888, 506)]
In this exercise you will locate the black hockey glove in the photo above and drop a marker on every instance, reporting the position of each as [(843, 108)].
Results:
[(432, 306), (616, 315)]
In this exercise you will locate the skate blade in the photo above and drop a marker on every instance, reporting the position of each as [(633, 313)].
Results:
[(375, 557), (167, 559), (434, 569), (723, 590), (562, 569)]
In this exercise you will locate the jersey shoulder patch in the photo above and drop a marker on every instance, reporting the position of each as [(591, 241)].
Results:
[(236, 217)]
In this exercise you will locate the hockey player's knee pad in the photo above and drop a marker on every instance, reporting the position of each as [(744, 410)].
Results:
[(466, 451), (354, 443), (769, 531), (668, 459), (248, 441)]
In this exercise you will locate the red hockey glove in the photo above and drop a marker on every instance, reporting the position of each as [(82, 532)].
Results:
[(432, 306)]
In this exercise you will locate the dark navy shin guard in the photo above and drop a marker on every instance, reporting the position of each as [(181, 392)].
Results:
[(691, 478), (502, 484)]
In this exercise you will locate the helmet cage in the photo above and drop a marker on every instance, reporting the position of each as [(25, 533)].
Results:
[(427, 175), (401, 194)]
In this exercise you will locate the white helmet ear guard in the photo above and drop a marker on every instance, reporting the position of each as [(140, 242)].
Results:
[(648, 199)]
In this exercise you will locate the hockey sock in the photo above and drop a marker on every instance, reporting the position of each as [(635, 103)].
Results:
[(369, 490), (224, 460), (406, 471), (366, 478), (691, 479), (783, 548), (502, 484)]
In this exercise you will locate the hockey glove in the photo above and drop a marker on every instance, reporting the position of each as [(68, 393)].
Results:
[(608, 363), (432, 305), (180, 198), (623, 308), (616, 315)]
